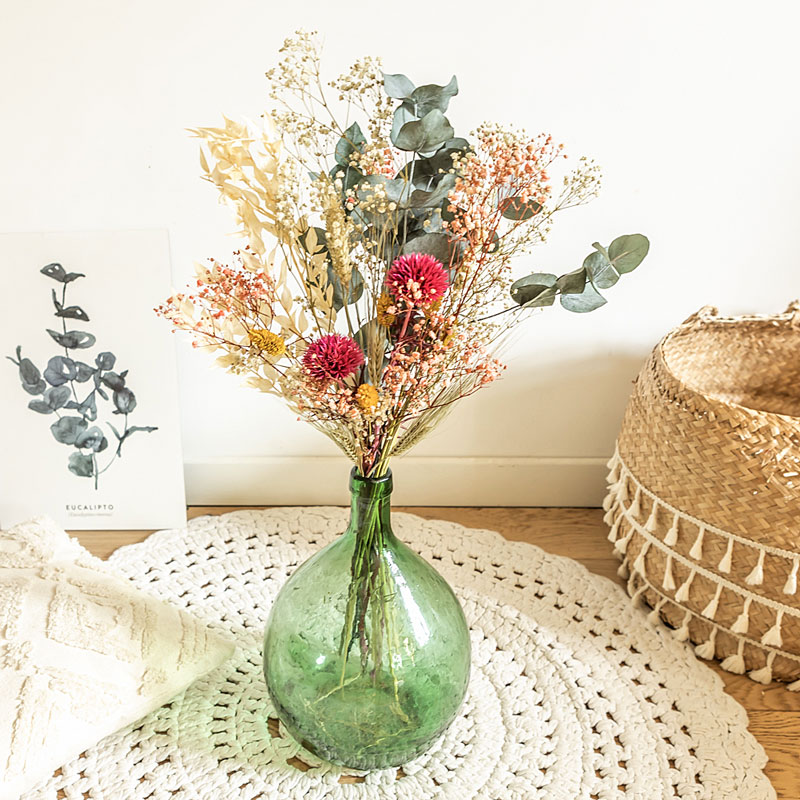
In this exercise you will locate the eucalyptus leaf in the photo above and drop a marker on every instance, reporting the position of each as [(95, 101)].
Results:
[(114, 382), (430, 97), (430, 131), (423, 199), (397, 86), (88, 408), (124, 401), (573, 282), (60, 369), (81, 465), (589, 300), (402, 115), (84, 371), (627, 252), (57, 397), (73, 312), (40, 406), (67, 429), (600, 270), (538, 286), (348, 175), (29, 375), (313, 244), (73, 340), (140, 428), (105, 360), (54, 271), (352, 141), (517, 209), (342, 296), (439, 245), (397, 190), (92, 439), (57, 273)]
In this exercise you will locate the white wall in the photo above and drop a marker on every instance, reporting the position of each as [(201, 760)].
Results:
[(690, 107)]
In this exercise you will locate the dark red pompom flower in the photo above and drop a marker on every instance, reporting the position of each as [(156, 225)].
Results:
[(417, 280), (332, 358)]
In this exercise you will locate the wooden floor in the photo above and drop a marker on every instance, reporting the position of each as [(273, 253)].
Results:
[(580, 533)]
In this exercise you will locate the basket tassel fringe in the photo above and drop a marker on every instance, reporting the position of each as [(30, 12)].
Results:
[(623, 516)]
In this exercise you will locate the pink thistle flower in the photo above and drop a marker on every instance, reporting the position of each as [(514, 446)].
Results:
[(417, 279), (332, 358)]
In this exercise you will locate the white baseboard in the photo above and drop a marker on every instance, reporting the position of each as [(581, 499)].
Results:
[(419, 480)]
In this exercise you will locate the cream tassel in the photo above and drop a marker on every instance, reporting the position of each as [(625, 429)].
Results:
[(764, 675), (671, 539), (791, 581), (697, 548), (621, 545), (651, 526), (794, 687), (622, 489), (743, 620), (725, 564), (682, 633), (710, 611), (623, 571), (613, 468), (708, 649), (612, 534), (735, 663), (610, 499), (636, 505), (756, 577), (773, 636), (669, 582), (639, 565), (655, 615), (682, 595), (636, 598), (608, 517)]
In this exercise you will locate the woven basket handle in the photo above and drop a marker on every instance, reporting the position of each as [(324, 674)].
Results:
[(701, 316), (793, 312)]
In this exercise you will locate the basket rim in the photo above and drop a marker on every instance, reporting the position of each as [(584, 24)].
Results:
[(708, 316)]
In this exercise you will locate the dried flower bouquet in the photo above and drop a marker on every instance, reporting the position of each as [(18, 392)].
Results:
[(379, 254), (371, 296)]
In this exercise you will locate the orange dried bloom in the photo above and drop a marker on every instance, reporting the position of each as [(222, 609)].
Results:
[(382, 314), (268, 342), (367, 396)]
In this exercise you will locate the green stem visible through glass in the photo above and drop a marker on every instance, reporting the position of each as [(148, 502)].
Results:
[(369, 625)]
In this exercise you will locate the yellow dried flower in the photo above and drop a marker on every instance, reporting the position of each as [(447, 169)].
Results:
[(367, 396), (384, 318), (268, 342)]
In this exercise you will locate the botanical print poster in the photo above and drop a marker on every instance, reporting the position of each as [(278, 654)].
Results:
[(89, 428)]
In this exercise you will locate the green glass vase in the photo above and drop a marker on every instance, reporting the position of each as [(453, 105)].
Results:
[(366, 651)]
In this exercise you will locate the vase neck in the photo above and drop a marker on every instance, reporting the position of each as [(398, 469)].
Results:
[(370, 509)]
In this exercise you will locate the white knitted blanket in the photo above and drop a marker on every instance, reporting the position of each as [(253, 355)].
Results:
[(574, 694)]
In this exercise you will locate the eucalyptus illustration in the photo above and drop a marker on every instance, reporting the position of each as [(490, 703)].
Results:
[(62, 388)]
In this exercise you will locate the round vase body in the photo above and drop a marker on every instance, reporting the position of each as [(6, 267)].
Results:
[(366, 651)]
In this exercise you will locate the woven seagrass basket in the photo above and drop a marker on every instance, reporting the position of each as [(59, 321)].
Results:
[(704, 490)]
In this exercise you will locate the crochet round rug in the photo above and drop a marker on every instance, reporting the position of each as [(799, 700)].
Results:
[(574, 694)]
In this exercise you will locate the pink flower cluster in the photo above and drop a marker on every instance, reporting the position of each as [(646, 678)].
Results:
[(332, 358), (417, 280)]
